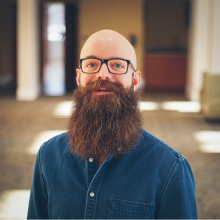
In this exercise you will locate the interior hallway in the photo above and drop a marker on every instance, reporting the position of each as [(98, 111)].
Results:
[(187, 132)]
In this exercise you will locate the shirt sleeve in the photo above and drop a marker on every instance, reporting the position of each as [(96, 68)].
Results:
[(178, 200), (38, 202)]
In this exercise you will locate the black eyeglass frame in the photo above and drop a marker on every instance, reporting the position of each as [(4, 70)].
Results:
[(106, 62)]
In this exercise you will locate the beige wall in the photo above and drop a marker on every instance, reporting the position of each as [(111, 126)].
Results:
[(165, 23), (123, 16)]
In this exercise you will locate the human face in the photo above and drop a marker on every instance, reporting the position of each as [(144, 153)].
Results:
[(108, 45)]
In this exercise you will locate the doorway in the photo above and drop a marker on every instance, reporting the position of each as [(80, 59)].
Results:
[(59, 47)]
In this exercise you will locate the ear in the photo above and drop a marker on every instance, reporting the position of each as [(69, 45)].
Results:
[(78, 76), (137, 79)]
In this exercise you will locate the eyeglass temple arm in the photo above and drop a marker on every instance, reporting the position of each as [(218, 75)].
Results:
[(132, 66)]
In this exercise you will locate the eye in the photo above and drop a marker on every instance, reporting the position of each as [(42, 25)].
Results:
[(91, 65), (118, 65)]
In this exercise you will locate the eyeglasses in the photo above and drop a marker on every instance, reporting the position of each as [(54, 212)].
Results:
[(115, 66)]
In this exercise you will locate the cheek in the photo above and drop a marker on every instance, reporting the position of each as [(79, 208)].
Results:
[(124, 81), (86, 78)]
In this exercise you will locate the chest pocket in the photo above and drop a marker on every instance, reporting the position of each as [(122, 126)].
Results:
[(123, 209)]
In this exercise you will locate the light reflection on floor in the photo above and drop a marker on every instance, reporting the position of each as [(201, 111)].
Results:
[(183, 106), (209, 141), (149, 106), (41, 138), (63, 109), (14, 204)]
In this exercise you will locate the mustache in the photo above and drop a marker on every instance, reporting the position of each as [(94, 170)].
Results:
[(104, 84)]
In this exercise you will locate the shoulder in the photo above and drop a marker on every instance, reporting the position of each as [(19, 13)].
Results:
[(155, 153), (52, 155), (151, 144), (162, 157), (56, 147)]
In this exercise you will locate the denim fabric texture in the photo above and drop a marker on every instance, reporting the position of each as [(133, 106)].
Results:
[(151, 181)]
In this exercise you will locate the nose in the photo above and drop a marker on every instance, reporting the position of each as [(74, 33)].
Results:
[(103, 73)]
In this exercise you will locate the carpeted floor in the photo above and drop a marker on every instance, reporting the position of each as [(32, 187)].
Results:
[(168, 116)]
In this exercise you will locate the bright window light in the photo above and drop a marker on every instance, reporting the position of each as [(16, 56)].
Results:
[(181, 106), (14, 204), (150, 106), (55, 37), (56, 18), (54, 68), (41, 138), (63, 109), (209, 141)]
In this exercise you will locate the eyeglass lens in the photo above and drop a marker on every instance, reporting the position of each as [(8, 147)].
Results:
[(115, 66)]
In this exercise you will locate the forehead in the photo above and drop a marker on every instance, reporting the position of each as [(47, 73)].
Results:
[(106, 47)]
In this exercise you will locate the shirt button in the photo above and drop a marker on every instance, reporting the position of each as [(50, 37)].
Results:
[(91, 160), (92, 194)]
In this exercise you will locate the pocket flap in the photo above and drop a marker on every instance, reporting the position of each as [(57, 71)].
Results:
[(130, 205)]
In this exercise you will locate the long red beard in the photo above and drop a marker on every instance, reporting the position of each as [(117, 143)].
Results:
[(103, 124)]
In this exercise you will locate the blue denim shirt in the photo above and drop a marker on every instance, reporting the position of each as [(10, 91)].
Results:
[(151, 181)]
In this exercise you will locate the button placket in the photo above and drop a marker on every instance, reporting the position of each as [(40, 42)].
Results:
[(92, 192), (92, 169)]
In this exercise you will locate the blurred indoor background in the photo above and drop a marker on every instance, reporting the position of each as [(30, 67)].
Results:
[(177, 43)]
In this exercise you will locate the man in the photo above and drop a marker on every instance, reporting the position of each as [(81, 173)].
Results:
[(106, 166)]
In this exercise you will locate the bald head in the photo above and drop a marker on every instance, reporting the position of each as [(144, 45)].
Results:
[(107, 44)]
